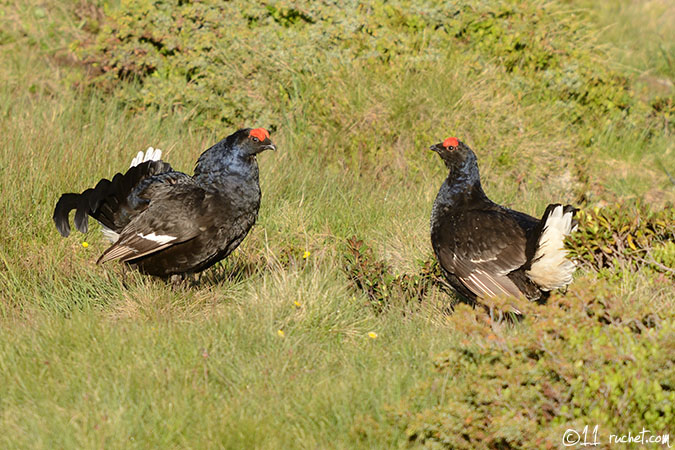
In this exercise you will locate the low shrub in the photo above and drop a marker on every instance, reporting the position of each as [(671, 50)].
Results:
[(381, 285), (628, 234)]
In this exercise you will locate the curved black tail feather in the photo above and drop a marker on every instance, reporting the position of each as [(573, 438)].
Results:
[(110, 202)]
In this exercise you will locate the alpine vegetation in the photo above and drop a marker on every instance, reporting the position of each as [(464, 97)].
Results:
[(487, 250), (165, 222)]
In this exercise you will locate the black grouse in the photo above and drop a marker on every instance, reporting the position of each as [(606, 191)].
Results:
[(489, 251), (166, 222)]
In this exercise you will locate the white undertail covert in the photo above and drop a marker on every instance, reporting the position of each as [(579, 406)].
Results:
[(551, 268)]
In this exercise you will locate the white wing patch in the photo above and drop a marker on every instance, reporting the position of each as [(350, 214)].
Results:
[(151, 154), (551, 268), (161, 239), (478, 261)]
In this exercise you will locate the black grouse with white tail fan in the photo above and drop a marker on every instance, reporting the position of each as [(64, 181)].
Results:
[(489, 251), (166, 222)]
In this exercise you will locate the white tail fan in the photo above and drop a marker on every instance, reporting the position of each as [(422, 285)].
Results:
[(551, 268), (151, 154)]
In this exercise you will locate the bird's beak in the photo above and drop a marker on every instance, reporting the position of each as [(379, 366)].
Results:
[(269, 146), (433, 148)]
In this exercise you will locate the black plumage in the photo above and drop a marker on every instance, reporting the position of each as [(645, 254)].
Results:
[(166, 222), (487, 250)]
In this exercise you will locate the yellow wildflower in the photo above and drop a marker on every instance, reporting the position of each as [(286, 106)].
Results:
[(631, 244), (372, 335), (306, 254), (85, 244), (281, 333), (297, 303)]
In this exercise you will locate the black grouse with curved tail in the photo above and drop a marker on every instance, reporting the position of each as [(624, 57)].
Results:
[(166, 222)]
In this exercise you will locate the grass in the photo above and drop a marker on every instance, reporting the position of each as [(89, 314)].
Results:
[(94, 357), (229, 380)]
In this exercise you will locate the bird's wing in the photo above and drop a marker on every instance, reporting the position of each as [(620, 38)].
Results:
[(170, 218), (481, 247)]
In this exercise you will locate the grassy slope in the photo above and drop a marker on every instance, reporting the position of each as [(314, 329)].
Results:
[(90, 358)]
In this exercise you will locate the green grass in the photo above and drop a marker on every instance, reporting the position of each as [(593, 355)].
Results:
[(95, 357)]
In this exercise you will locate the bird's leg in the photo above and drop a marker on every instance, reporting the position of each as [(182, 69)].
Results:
[(124, 275), (500, 316), (176, 281), (196, 278)]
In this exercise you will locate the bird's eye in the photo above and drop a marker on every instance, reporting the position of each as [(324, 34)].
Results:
[(451, 148), (255, 139)]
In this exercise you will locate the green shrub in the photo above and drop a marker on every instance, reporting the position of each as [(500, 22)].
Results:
[(629, 234), (524, 388), (235, 62)]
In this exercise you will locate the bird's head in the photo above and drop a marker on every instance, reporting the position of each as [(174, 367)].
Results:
[(236, 153), (455, 153), (249, 142)]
